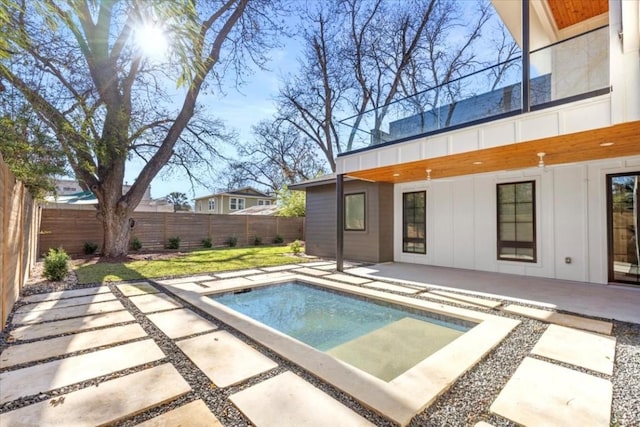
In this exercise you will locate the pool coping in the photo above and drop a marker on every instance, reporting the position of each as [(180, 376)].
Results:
[(399, 399)]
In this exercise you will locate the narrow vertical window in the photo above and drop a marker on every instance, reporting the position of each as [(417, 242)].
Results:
[(414, 224), (517, 221), (354, 212)]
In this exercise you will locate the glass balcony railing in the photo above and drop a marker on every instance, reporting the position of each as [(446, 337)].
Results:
[(575, 67)]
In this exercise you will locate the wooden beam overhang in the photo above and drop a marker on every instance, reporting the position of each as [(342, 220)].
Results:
[(609, 142)]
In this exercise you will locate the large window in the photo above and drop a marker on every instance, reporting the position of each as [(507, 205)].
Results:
[(517, 221), (354, 212), (414, 227), (262, 202), (236, 204)]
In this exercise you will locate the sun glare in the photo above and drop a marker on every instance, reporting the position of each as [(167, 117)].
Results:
[(151, 41)]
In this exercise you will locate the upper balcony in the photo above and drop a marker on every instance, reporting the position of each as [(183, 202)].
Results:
[(572, 69)]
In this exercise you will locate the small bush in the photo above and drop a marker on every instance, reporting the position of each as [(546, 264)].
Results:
[(173, 243), (56, 264), (135, 244), (296, 247), (232, 242), (257, 241), (278, 239), (206, 243), (90, 248)]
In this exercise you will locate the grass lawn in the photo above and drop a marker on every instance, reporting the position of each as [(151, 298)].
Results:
[(203, 261)]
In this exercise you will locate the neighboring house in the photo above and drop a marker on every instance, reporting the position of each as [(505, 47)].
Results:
[(535, 179), (232, 201), (71, 196)]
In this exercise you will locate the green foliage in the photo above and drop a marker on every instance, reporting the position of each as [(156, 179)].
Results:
[(296, 247), (56, 264), (173, 243), (206, 242), (135, 244), (257, 241), (179, 201), (278, 239), (292, 203), (232, 241), (90, 248)]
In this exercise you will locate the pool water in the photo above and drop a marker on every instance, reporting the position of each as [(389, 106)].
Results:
[(382, 339)]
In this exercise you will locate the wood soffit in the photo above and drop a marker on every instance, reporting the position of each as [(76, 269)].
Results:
[(563, 149), (570, 12)]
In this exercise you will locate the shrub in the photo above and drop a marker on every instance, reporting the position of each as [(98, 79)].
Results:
[(257, 241), (173, 243), (232, 241), (278, 239), (207, 242), (136, 245), (296, 247), (90, 248), (56, 264)]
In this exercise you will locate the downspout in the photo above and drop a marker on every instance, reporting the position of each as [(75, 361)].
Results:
[(339, 222), (526, 63)]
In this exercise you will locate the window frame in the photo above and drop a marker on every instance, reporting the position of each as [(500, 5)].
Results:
[(405, 238), (264, 202), (533, 245), (364, 211), (209, 202), (237, 202)]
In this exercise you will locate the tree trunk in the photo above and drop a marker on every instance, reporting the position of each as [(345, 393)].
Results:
[(117, 229)]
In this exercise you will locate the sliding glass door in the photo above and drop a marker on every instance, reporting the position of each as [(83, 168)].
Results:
[(623, 207)]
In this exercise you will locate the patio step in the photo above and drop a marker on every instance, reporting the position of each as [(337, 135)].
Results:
[(66, 312), (194, 414), (66, 294), (578, 322)]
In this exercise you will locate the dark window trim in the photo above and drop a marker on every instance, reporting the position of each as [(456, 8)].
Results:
[(414, 239), (513, 244), (364, 212)]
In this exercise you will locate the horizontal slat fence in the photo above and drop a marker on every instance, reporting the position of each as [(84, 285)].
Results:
[(19, 225), (70, 229)]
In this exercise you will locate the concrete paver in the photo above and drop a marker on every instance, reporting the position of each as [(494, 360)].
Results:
[(311, 271), (139, 288), (487, 303), (271, 276), (66, 312), (227, 283), (541, 393), (40, 350), (238, 273), (280, 267), (113, 400), (63, 372), (198, 287), (181, 323), (319, 263), (572, 321), (179, 280), (66, 294), (66, 302), (154, 302), (391, 287), (224, 358), (77, 324), (346, 278), (585, 349), (194, 414), (288, 400)]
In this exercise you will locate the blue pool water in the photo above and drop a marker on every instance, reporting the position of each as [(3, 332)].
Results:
[(320, 318)]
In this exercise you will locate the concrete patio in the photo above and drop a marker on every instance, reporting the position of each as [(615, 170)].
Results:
[(135, 353)]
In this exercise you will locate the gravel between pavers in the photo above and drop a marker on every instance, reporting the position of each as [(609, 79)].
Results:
[(465, 403)]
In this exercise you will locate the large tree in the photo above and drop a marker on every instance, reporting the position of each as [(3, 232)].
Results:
[(81, 65)]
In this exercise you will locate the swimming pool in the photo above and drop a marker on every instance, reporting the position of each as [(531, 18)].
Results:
[(382, 339)]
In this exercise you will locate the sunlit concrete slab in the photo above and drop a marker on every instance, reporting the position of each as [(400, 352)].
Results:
[(181, 323), (225, 359), (391, 350), (196, 287), (311, 271), (40, 350), (66, 312), (154, 302), (140, 288), (288, 400), (112, 401), (319, 263), (194, 414), (66, 302), (585, 349), (77, 324), (544, 394), (271, 276), (569, 320), (185, 280), (59, 373), (226, 284), (280, 267), (391, 287), (346, 278), (481, 302), (66, 294), (238, 273)]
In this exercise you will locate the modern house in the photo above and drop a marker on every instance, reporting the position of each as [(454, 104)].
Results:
[(539, 176), (232, 201)]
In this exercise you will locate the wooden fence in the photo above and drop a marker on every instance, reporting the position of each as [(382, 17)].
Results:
[(19, 225), (71, 229)]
